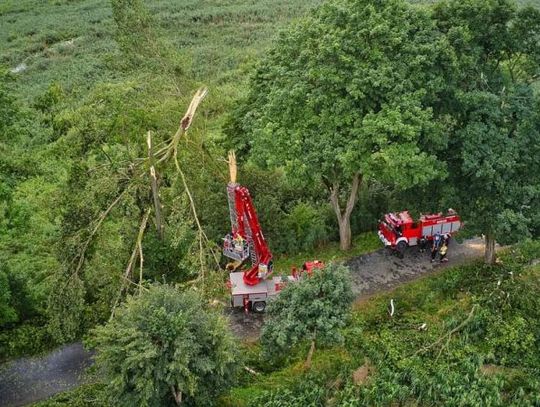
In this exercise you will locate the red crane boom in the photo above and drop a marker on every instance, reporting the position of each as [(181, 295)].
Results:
[(247, 239)]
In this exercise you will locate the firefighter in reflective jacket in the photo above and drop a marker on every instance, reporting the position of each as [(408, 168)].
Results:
[(443, 250), (238, 243), (437, 240)]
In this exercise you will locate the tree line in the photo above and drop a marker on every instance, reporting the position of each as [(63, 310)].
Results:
[(436, 102)]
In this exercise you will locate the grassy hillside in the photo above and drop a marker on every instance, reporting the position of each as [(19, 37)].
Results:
[(72, 42)]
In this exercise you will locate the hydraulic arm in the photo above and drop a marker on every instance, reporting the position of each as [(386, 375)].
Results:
[(247, 238)]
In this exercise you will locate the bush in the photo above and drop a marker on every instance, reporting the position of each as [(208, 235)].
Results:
[(313, 309), (306, 227), (88, 395), (28, 338), (164, 347)]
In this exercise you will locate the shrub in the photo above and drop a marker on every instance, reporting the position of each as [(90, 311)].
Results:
[(306, 227), (164, 347)]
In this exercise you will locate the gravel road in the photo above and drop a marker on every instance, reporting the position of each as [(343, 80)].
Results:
[(382, 270)]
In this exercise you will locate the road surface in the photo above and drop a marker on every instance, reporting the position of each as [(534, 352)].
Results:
[(27, 380)]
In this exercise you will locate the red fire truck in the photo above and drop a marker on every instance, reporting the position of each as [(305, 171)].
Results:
[(398, 230)]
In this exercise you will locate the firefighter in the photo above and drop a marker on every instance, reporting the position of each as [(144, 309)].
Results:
[(442, 251), (423, 243), (437, 240), (444, 247), (238, 243), (446, 239)]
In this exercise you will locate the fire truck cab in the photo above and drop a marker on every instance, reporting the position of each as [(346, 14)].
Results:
[(398, 230)]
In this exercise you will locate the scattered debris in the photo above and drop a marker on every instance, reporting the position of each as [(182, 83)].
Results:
[(361, 375), (392, 308), (422, 327), (490, 369), (19, 68)]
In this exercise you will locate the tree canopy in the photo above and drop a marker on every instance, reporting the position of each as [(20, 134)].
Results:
[(492, 156), (346, 95), (165, 347), (313, 310)]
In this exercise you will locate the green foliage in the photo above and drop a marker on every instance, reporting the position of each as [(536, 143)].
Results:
[(88, 395), (7, 312), (8, 109), (331, 100), (134, 26), (289, 224), (362, 244), (313, 309), (306, 393), (88, 79), (322, 104), (491, 96), (306, 227), (65, 309), (30, 337), (165, 339)]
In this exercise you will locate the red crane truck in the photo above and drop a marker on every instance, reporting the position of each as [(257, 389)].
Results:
[(251, 288), (398, 230)]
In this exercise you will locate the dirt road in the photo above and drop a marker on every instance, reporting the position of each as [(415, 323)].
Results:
[(372, 273)]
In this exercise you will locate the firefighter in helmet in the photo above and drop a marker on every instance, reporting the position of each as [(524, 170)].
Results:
[(443, 251), (437, 241)]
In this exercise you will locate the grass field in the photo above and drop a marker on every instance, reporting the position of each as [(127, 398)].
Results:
[(72, 42)]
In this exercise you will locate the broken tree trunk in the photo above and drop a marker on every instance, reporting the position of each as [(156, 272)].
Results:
[(490, 256), (136, 250), (307, 365), (344, 216), (155, 187)]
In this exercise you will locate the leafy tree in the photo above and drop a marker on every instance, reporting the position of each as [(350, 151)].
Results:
[(344, 96), (7, 312), (493, 156), (165, 347), (313, 309)]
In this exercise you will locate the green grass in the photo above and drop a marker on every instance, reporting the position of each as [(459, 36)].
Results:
[(362, 244), (72, 42)]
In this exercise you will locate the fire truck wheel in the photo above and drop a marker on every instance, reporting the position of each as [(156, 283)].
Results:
[(259, 306), (400, 247)]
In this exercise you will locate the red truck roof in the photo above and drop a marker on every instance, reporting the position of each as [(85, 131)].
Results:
[(398, 218)]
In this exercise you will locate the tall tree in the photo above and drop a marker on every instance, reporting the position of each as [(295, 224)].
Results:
[(493, 155), (165, 348), (344, 96), (310, 310)]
